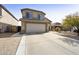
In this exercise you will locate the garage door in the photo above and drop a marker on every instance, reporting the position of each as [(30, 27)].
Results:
[(35, 28)]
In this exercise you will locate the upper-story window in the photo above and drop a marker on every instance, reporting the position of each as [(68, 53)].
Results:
[(29, 15), (40, 17)]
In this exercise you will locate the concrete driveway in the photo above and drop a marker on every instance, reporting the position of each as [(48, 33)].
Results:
[(9, 43), (48, 44)]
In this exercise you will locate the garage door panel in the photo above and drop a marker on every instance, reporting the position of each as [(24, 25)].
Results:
[(34, 28)]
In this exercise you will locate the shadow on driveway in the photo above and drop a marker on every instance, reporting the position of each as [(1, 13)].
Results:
[(4, 35), (72, 36), (7, 35), (70, 41)]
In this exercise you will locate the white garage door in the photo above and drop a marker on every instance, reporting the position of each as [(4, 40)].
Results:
[(35, 28)]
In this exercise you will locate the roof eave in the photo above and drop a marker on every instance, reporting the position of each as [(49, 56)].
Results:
[(8, 11), (32, 10)]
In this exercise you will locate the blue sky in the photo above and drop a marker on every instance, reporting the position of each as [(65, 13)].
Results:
[(55, 12)]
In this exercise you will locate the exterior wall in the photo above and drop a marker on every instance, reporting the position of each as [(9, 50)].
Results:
[(7, 21), (7, 28), (35, 14), (3, 27), (47, 27), (35, 24), (23, 27), (14, 29)]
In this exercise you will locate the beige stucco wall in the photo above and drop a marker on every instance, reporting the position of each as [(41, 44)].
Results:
[(48, 26), (23, 27), (7, 22), (8, 19)]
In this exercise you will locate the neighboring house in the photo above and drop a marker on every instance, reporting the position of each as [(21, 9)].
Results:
[(56, 26), (34, 21), (8, 23)]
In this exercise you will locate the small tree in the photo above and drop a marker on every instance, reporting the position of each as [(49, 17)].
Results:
[(71, 21)]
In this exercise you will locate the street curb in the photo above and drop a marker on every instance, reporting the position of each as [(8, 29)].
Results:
[(21, 47)]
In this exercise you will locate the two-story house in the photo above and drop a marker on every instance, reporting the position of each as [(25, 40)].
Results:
[(34, 21), (8, 23)]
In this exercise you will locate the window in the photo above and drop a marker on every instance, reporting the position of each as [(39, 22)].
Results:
[(29, 15), (40, 17)]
